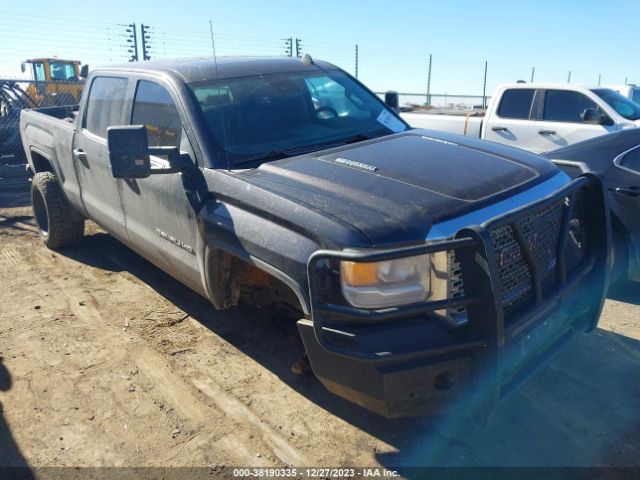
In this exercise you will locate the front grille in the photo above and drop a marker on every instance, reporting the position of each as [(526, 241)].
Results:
[(541, 232), (455, 289)]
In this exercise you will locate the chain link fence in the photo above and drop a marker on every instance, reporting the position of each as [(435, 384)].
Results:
[(16, 95), (440, 102)]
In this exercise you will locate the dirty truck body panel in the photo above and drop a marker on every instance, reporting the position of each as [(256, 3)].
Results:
[(616, 157), (298, 170)]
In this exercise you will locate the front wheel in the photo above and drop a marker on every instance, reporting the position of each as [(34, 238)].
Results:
[(58, 223)]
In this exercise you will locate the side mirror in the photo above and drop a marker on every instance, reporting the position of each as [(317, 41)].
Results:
[(593, 116), (23, 67), (84, 71), (129, 151), (392, 100)]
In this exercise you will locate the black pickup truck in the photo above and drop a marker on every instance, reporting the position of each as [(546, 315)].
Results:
[(424, 266)]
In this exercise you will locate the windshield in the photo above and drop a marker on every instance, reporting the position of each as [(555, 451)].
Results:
[(63, 72), (621, 104), (265, 117)]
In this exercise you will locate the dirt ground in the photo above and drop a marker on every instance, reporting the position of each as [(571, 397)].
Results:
[(107, 361)]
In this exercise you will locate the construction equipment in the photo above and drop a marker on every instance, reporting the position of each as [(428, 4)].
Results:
[(13, 98), (56, 81)]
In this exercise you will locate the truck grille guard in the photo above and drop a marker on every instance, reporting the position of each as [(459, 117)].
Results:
[(512, 267)]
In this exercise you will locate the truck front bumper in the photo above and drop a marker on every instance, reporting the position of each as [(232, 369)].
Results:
[(403, 361)]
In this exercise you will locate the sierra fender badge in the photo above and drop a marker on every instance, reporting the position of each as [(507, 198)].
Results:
[(353, 163), (175, 241)]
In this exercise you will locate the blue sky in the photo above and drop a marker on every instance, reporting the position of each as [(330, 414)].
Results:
[(590, 38)]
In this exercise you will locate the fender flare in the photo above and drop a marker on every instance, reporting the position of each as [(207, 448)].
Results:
[(46, 156), (214, 278)]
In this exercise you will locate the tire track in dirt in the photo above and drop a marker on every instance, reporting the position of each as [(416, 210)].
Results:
[(242, 425), (176, 392), (9, 257), (235, 409)]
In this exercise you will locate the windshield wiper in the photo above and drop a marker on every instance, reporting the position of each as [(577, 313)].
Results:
[(268, 155), (360, 137), (278, 154)]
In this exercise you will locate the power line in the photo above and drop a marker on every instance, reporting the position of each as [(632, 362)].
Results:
[(56, 20)]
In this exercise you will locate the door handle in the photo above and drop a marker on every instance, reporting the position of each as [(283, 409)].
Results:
[(547, 132), (630, 192), (79, 154), (499, 129)]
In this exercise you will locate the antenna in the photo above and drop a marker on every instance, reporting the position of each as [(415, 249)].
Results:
[(213, 48), (215, 64)]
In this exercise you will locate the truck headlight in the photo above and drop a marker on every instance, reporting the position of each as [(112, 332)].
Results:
[(389, 283)]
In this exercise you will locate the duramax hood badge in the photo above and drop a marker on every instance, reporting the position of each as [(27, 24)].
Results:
[(353, 163)]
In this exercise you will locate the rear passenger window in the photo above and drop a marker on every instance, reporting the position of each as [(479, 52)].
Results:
[(105, 104), (565, 105), (632, 160), (154, 108), (516, 103)]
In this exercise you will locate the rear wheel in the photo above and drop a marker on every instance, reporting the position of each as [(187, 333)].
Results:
[(58, 223)]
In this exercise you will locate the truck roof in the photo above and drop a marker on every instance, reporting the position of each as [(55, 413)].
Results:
[(547, 85), (192, 70), (52, 59)]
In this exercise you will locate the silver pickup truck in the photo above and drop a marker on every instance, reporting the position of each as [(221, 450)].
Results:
[(540, 116)]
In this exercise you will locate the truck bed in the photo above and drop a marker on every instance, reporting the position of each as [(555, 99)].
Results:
[(469, 125), (48, 133)]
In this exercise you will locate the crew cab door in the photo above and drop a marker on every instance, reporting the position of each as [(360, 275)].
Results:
[(512, 122), (99, 193), (160, 210), (561, 122)]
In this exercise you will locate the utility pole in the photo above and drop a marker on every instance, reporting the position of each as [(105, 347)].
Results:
[(146, 44), (429, 82), (132, 40), (298, 47), (356, 60), (569, 77), (599, 78), (484, 87), (625, 80), (288, 46), (533, 73)]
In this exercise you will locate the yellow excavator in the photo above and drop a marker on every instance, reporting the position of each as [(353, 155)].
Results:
[(56, 81)]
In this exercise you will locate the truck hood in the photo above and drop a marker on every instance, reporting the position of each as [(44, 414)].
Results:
[(393, 189)]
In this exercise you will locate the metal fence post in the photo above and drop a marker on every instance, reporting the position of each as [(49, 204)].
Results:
[(484, 87), (429, 82)]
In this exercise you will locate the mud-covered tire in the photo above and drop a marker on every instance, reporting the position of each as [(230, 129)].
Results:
[(58, 223)]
